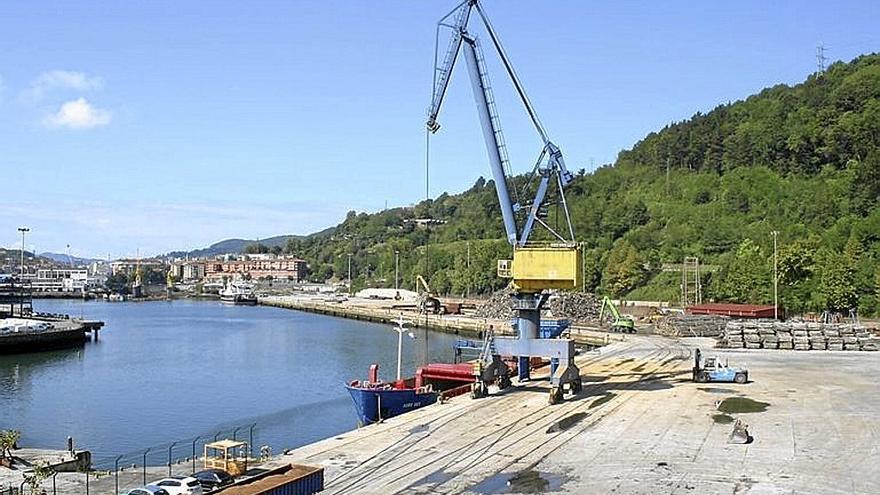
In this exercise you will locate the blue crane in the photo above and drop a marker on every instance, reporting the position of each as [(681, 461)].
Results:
[(534, 268)]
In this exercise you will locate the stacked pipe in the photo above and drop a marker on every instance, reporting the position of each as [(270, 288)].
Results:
[(797, 335)]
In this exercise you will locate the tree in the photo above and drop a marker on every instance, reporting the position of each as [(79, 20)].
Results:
[(625, 269), (258, 248), (837, 288), (747, 278), (8, 441)]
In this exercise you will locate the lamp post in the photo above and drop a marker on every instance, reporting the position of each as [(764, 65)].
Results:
[(468, 268), (775, 279), (396, 269), (22, 230), (400, 331), (349, 274)]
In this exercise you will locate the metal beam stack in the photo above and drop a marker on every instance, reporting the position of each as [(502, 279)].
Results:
[(797, 335)]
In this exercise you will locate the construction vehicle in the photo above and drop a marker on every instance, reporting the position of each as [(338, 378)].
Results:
[(535, 267), (621, 323), (713, 370), (429, 303)]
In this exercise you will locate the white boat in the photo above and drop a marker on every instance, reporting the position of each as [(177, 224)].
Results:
[(238, 293)]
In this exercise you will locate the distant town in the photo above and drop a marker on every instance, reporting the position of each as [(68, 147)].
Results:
[(47, 277)]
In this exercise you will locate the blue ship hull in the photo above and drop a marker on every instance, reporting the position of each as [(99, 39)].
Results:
[(373, 404)]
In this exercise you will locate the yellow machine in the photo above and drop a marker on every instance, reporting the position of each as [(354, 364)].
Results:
[(536, 268), (228, 455)]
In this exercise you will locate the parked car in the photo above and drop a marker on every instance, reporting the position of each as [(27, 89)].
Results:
[(180, 485), (212, 479), (148, 490)]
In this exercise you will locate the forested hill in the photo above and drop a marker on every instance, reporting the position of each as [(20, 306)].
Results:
[(802, 160)]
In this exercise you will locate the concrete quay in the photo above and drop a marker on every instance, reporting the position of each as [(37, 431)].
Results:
[(379, 311), (640, 426)]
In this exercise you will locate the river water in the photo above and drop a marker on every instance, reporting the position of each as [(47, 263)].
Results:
[(170, 371)]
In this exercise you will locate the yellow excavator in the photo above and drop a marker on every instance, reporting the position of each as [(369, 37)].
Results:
[(429, 303)]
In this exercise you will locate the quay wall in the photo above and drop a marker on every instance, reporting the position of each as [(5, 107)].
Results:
[(467, 326)]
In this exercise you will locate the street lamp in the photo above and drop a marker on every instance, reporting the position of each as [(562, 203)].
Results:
[(396, 269), (22, 230), (400, 331), (349, 274), (775, 279), (468, 268)]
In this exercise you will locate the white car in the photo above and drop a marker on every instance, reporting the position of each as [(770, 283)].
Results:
[(180, 485)]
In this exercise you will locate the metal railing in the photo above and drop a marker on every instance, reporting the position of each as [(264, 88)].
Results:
[(179, 457)]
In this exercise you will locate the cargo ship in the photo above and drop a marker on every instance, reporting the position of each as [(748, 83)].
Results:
[(376, 400)]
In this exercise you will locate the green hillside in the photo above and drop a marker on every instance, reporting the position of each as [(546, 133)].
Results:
[(801, 160)]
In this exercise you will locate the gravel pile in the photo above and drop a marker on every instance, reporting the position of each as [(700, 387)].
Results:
[(692, 325), (800, 336)]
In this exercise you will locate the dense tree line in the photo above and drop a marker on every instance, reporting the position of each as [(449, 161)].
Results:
[(803, 161)]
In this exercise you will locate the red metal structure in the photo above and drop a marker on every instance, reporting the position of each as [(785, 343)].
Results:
[(737, 310)]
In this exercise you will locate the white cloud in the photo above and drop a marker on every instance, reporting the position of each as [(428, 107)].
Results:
[(78, 114), (61, 79)]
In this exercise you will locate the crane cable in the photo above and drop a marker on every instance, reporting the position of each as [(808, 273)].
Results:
[(427, 194)]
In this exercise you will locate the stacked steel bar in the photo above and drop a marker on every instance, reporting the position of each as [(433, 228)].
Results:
[(798, 335)]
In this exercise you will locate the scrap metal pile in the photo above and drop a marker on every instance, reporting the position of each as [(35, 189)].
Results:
[(797, 335), (692, 325), (498, 306), (577, 306)]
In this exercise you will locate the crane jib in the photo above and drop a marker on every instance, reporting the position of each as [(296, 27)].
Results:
[(518, 234)]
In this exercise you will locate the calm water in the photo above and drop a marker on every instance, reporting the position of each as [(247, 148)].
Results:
[(163, 372)]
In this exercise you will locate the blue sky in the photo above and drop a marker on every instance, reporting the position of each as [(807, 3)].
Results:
[(162, 125)]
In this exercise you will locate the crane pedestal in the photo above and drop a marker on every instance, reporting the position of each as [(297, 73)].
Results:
[(527, 344)]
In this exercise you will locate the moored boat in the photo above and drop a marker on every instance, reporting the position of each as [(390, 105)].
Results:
[(376, 400), (238, 293)]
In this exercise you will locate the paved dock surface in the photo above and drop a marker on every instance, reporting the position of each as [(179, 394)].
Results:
[(639, 427)]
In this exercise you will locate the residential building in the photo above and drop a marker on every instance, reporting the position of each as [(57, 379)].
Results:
[(257, 267)]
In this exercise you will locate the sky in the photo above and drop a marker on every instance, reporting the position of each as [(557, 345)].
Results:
[(152, 126)]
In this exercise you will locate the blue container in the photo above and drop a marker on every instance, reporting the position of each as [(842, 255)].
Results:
[(550, 329)]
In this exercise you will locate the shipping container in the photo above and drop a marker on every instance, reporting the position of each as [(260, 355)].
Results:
[(292, 479)]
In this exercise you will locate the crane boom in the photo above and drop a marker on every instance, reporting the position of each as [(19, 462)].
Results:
[(460, 40)]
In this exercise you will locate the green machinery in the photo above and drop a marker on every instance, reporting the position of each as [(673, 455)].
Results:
[(622, 324)]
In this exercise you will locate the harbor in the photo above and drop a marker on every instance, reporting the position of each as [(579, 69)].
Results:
[(474, 248)]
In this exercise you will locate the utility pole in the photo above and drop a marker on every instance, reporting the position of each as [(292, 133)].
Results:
[(22, 230), (468, 268), (775, 279), (349, 274), (396, 269), (667, 175)]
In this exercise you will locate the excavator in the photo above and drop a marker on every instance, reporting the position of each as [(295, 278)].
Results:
[(429, 303), (536, 267), (621, 323)]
